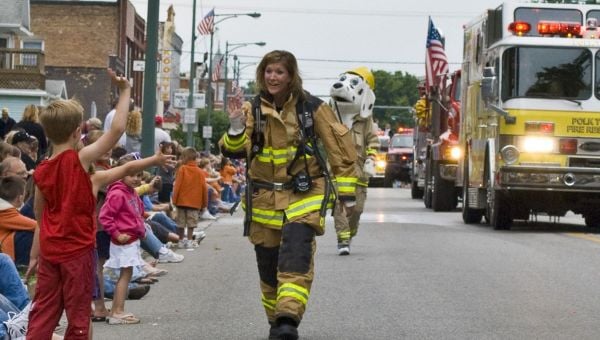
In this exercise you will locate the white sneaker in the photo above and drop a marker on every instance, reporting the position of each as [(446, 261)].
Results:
[(224, 205), (181, 244), (16, 325), (207, 216), (188, 244), (199, 235), (170, 257)]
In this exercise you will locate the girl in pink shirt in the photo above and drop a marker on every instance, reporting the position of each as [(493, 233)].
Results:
[(122, 218)]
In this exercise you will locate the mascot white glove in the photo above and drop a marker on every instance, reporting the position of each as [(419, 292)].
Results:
[(369, 167), (237, 123)]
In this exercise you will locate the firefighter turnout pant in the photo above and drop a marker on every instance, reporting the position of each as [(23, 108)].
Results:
[(285, 261), (346, 227)]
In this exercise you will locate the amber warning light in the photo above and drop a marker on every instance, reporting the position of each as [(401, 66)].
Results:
[(519, 27), (563, 29)]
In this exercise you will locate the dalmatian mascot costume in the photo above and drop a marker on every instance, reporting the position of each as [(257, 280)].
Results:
[(352, 98)]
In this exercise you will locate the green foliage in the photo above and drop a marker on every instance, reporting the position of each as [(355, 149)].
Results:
[(395, 89), (250, 88), (219, 122)]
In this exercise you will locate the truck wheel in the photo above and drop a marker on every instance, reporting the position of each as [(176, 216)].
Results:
[(469, 215), (427, 188), (592, 221), (415, 191), (443, 196), (499, 211)]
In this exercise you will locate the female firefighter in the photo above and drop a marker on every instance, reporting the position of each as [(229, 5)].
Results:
[(289, 187)]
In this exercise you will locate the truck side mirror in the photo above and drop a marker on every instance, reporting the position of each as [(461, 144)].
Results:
[(489, 85)]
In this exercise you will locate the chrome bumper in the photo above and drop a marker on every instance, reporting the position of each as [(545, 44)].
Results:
[(549, 178)]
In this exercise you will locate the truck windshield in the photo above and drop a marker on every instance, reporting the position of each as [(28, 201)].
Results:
[(402, 141), (547, 72)]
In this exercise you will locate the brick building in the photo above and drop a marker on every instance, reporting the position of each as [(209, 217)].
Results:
[(82, 39)]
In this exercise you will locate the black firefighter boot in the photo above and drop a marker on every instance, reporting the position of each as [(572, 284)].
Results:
[(287, 329), (273, 331)]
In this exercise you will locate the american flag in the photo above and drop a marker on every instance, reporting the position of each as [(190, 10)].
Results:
[(436, 63), (217, 71), (207, 24)]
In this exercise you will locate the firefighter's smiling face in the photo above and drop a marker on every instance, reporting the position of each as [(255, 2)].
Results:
[(277, 79)]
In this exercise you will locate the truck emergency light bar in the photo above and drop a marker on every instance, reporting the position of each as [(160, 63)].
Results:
[(554, 28)]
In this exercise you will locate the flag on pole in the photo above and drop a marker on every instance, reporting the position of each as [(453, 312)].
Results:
[(207, 25), (436, 63), (217, 71)]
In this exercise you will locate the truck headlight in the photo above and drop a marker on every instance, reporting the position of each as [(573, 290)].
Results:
[(538, 144), (510, 154), (455, 153), (381, 163)]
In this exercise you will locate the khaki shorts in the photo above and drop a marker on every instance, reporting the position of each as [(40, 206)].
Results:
[(187, 217)]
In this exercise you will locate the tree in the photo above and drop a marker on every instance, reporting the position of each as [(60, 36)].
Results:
[(395, 89)]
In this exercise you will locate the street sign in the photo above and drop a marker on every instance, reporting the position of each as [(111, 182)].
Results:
[(207, 131), (180, 100), (189, 116), (139, 65)]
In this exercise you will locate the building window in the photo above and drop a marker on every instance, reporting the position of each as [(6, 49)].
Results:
[(31, 59)]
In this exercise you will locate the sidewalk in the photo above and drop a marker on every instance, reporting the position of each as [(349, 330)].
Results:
[(195, 296)]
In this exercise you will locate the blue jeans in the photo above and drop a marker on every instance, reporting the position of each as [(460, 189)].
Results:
[(151, 243), (166, 221), (23, 242), (13, 295), (111, 276), (226, 193)]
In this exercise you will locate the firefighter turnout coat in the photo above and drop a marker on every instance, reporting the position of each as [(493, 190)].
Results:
[(281, 131), (366, 144)]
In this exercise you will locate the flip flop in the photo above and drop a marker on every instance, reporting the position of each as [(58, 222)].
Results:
[(98, 318), (125, 319)]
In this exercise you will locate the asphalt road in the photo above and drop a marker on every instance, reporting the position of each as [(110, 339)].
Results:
[(412, 274)]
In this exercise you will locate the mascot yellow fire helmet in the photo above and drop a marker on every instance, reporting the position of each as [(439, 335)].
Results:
[(366, 75)]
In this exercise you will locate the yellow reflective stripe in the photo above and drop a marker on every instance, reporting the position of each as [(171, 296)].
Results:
[(371, 151), (272, 217), (268, 303), (344, 235), (234, 143), (277, 156), (304, 206), (294, 291), (346, 184), (362, 184)]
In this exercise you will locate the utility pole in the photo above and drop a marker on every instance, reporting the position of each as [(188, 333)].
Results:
[(149, 104)]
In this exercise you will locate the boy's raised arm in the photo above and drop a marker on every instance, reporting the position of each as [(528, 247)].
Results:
[(106, 177), (89, 154)]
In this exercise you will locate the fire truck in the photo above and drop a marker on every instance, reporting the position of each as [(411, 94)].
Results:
[(378, 178), (530, 123), (399, 158), (436, 147)]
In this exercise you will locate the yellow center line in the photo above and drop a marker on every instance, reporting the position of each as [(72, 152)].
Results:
[(588, 237)]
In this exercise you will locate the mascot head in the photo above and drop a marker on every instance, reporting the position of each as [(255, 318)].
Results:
[(353, 93)]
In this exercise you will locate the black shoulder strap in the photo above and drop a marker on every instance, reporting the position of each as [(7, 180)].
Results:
[(305, 110), (257, 133)]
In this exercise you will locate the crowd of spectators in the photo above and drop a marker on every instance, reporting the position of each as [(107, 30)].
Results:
[(170, 200)]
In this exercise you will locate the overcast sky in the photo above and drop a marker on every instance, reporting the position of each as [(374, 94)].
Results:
[(329, 37)]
